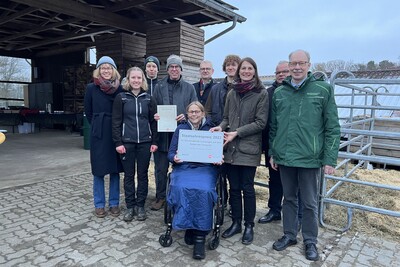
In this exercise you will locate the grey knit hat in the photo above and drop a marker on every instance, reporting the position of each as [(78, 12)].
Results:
[(152, 59), (106, 59), (174, 59)]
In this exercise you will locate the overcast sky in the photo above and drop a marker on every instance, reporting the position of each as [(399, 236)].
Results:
[(349, 30)]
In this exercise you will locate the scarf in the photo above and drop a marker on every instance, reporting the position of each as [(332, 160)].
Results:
[(107, 86), (244, 87)]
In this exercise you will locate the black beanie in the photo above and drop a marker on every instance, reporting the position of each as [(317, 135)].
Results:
[(152, 59)]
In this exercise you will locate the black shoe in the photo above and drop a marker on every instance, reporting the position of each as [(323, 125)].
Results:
[(189, 237), (199, 249), (234, 229), (283, 243), (269, 217), (130, 214), (311, 252), (141, 214), (248, 233)]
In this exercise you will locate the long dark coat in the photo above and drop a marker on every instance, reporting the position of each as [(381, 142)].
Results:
[(104, 158)]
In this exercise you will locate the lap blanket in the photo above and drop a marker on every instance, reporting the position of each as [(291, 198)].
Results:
[(192, 196)]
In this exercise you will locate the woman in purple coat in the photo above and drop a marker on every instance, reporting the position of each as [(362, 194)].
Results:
[(99, 98)]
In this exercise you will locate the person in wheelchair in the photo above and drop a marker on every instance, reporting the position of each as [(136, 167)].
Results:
[(192, 192)]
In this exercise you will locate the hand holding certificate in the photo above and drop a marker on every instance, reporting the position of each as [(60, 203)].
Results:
[(200, 146), (167, 121)]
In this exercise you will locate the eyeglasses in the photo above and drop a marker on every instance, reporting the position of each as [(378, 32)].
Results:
[(204, 69), (106, 68), (281, 72), (194, 112), (300, 63), (174, 67)]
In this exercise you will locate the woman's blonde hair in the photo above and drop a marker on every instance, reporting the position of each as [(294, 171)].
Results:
[(196, 103), (126, 85), (115, 73)]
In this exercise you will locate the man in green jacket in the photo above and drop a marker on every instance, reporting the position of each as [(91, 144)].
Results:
[(304, 136)]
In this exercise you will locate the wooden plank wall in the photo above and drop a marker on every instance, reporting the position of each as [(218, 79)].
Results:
[(178, 38), (126, 50)]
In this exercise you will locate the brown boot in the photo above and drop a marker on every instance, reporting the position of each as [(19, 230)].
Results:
[(100, 212), (158, 204)]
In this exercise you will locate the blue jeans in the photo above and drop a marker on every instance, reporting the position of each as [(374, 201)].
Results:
[(99, 195)]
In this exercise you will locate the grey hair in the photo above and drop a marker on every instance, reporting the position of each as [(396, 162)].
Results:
[(301, 50)]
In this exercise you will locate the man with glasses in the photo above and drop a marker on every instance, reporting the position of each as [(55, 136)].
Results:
[(274, 184), (203, 87), (171, 90), (304, 136)]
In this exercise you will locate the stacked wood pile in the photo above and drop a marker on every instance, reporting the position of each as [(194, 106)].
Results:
[(74, 82)]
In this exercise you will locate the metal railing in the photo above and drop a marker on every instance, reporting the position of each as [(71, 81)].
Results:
[(361, 137)]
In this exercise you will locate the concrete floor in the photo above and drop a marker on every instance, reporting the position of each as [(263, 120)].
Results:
[(41, 156)]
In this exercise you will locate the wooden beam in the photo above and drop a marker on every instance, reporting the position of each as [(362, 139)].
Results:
[(86, 12), (18, 15), (68, 37), (39, 29)]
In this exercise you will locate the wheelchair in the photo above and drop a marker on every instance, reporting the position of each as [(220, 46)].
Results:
[(165, 240)]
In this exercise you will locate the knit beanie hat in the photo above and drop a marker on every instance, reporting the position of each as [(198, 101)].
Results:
[(106, 59), (174, 59), (152, 59)]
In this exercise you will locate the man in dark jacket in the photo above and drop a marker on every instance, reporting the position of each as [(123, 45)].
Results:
[(151, 67), (203, 87), (171, 90), (304, 137)]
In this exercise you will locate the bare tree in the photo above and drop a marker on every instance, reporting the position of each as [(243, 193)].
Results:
[(12, 69), (334, 65)]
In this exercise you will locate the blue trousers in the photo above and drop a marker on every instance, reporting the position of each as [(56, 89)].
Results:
[(99, 195)]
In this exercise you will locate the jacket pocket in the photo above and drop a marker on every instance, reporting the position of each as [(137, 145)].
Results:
[(249, 146)]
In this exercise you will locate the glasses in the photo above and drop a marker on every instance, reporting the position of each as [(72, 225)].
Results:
[(174, 67), (281, 72), (204, 69), (106, 68), (194, 112), (300, 63)]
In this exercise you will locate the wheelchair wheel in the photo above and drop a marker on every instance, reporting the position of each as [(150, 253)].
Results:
[(220, 202), (165, 240), (167, 210), (213, 243)]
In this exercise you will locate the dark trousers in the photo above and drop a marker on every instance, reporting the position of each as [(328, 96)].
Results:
[(223, 171), (276, 193), (136, 159), (162, 164), (305, 181), (241, 179)]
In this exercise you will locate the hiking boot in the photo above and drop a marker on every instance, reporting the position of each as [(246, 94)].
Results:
[(141, 214), (115, 211), (130, 214), (100, 212), (158, 204)]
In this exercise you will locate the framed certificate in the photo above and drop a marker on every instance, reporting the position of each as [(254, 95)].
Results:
[(167, 121), (200, 146)]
